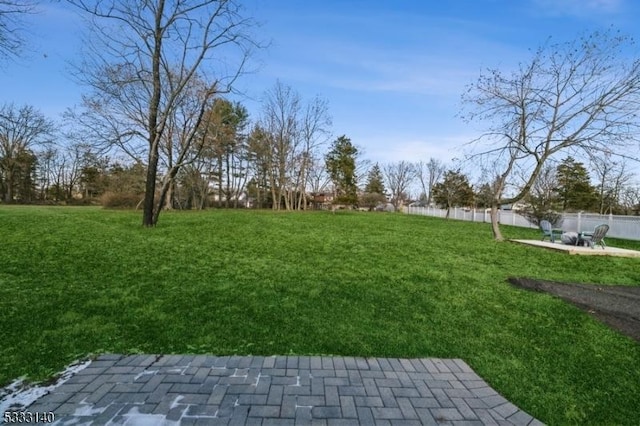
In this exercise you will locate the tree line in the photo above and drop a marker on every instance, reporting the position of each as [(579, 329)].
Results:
[(282, 160), (156, 74)]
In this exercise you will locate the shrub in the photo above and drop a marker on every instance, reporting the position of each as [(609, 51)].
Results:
[(371, 200), (536, 217), (120, 200)]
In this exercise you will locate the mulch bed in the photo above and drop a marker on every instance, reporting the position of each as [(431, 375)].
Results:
[(617, 306)]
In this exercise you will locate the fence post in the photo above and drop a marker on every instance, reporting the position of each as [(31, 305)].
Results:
[(579, 221)]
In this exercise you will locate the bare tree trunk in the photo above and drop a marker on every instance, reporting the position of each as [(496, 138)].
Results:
[(495, 226), (8, 196), (148, 215), (168, 205)]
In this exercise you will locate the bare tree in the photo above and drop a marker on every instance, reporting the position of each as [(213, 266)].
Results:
[(314, 132), (613, 175), (293, 132), (630, 199), (581, 95), (280, 120), (543, 201), (12, 13), (318, 180), (399, 176), (429, 174), (142, 61), (21, 130)]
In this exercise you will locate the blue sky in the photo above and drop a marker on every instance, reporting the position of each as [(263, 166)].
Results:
[(392, 71)]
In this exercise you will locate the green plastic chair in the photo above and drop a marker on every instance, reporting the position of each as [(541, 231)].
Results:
[(548, 231), (596, 237)]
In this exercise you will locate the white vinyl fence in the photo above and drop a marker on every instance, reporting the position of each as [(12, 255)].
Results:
[(625, 227)]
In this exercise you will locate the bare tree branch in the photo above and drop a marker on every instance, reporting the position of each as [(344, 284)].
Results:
[(145, 57), (582, 95)]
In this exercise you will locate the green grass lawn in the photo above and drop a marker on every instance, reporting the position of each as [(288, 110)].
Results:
[(79, 281)]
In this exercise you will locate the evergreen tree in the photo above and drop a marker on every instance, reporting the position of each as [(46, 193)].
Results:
[(341, 166), (375, 182), (574, 187), (453, 191)]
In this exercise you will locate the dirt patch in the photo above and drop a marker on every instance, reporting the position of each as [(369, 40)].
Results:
[(617, 306)]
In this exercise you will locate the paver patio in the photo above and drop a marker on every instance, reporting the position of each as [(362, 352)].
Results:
[(580, 250), (283, 390)]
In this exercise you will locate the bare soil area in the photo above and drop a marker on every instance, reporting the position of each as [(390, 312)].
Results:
[(617, 306)]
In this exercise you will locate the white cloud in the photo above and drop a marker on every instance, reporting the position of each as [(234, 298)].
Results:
[(579, 8), (446, 149)]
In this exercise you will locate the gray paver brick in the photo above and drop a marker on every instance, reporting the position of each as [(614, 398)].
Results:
[(365, 416), (407, 408), (447, 414), (373, 374), (350, 363), (292, 362), (185, 388), (430, 366), (351, 390), (505, 410), (361, 363), (388, 383), (275, 395), (327, 363), (493, 401), (159, 393), (326, 412), (304, 363), (443, 399), (425, 402), (310, 401), (288, 407), (386, 413), (264, 411), (354, 377), (331, 396), (405, 392), (81, 379), (281, 362), (56, 398), (239, 416), (387, 397), (458, 393), (303, 416), (464, 408), (368, 401), (131, 398), (337, 381), (338, 363), (407, 365), (315, 363), (269, 362), (520, 418), (486, 417), (384, 364), (297, 390), (348, 407), (370, 387)]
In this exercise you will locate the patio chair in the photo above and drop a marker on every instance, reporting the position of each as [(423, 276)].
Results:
[(549, 231), (595, 237)]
